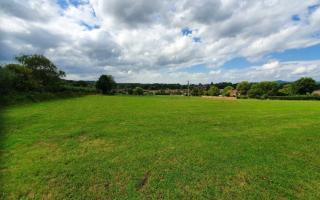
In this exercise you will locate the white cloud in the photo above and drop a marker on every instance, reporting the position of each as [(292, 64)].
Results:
[(141, 40)]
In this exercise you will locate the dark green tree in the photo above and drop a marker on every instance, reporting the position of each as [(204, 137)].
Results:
[(138, 91), (305, 85), (24, 81), (255, 91), (7, 81), (213, 91), (43, 70), (287, 90), (263, 89), (227, 90), (243, 87), (196, 91), (106, 84)]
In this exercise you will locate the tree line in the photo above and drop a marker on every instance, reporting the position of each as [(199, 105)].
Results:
[(36, 73), (260, 90)]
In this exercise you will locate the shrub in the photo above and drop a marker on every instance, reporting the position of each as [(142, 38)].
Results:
[(287, 90), (138, 91), (196, 91), (213, 91), (7, 81), (243, 87), (263, 90), (44, 72), (227, 90)]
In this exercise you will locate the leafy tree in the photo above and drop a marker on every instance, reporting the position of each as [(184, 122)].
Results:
[(130, 91), (269, 88), (106, 84), (196, 91), (305, 85), (243, 87), (43, 70), (227, 90), (287, 90), (255, 91), (263, 89), (7, 79), (223, 85), (138, 91), (24, 80), (213, 91)]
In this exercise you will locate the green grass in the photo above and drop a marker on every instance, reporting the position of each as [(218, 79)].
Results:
[(100, 147)]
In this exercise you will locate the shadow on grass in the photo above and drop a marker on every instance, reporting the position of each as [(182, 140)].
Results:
[(2, 143), (35, 97)]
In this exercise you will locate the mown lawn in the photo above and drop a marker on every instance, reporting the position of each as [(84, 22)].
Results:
[(100, 147)]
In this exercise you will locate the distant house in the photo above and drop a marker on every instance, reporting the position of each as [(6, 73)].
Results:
[(233, 93), (317, 92)]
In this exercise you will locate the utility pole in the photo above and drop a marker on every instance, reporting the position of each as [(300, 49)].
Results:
[(188, 89)]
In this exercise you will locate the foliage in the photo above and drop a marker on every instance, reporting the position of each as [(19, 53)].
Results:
[(255, 91), (305, 85), (7, 81), (263, 89), (130, 91), (223, 85), (44, 72), (243, 87), (24, 80), (213, 91), (138, 91), (287, 90), (227, 91), (106, 84), (197, 91)]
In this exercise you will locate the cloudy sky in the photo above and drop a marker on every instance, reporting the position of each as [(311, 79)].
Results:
[(168, 41)]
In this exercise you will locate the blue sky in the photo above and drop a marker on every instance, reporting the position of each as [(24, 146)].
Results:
[(167, 41), (302, 54), (66, 3)]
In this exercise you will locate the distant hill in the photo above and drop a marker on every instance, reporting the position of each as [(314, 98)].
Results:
[(282, 82)]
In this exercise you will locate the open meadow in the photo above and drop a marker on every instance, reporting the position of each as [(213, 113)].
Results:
[(157, 147)]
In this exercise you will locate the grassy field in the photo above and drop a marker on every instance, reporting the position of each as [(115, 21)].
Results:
[(100, 147)]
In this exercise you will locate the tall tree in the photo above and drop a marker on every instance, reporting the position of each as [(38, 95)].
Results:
[(243, 87), (24, 80), (106, 84), (7, 81), (263, 89), (287, 90), (305, 85), (43, 70)]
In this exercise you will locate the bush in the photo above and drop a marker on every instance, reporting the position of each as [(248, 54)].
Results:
[(227, 90), (263, 89), (138, 91), (7, 81), (213, 91), (287, 90), (30, 97), (196, 91), (243, 87)]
